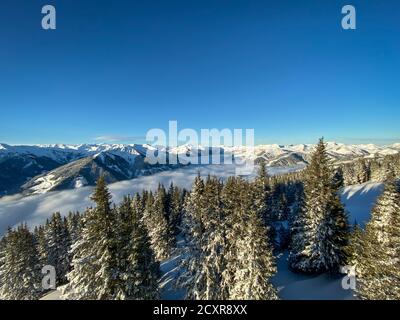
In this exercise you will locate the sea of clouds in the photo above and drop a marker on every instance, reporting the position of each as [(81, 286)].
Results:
[(35, 209)]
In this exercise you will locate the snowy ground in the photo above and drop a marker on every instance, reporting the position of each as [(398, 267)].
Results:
[(360, 199), (293, 286)]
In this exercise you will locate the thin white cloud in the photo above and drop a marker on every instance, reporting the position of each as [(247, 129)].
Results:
[(119, 138)]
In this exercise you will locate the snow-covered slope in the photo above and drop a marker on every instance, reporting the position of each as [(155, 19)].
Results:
[(360, 199)]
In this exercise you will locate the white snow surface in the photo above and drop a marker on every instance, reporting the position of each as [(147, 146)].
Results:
[(360, 199)]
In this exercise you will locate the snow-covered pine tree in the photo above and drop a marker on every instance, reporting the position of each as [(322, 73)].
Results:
[(142, 256), (74, 225), (338, 180), (42, 244), (95, 260), (157, 225), (138, 270), (214, 240), (175, 204), (263, 200), (249, 262), (354, 249), (163, 200), (58, 245), (362, 171), (231, 197), (378, 266), (192, 278), (322, 228), (349, 176), (254, 264), (20, 271), (3, 243)]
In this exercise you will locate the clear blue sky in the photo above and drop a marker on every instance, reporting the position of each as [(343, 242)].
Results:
[(118, 68)]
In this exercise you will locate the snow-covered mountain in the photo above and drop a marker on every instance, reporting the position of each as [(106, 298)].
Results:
[(42, 168)]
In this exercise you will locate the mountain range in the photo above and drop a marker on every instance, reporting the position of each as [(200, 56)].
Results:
[(41, 168)]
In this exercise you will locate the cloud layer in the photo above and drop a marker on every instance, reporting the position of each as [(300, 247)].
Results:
[(36, 209)]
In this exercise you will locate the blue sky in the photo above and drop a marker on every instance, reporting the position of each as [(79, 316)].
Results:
[(115, 69)]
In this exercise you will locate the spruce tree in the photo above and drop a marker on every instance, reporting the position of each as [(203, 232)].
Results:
[(175, 209), (148, 265), (3, 243), (322, 228), (263, 200), (42, 244), (338, 180), (193, 277), (20, 271), (74, 225), (378, 262), (214, 243), (249, 259), (58, 245), (156, 222), (231, 198), (138, 269), (95, 257)]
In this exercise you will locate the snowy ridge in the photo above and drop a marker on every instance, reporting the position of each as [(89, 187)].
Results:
[(42, 168), (126, 150)]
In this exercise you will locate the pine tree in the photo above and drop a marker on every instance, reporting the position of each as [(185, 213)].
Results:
[(20, 272), (231, 198), (138, 269), (95, 258), (249, 259), (148, 265), (157, 225), (175, 209), (354, 250), (322, 228), (3, 246), (362, 171), (378, 262), (263, 200), (214, 244), (193, 277), (58, 245), (74, 225), (42, 244), (338, 180)]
